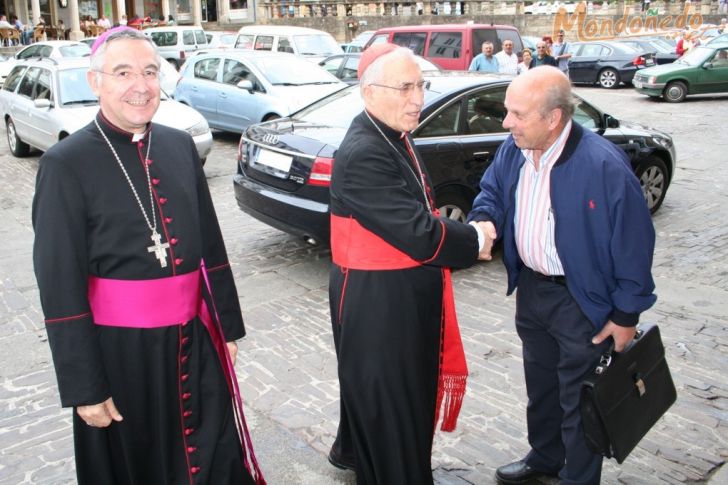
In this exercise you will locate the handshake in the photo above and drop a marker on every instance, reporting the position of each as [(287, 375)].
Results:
[(488, 230)]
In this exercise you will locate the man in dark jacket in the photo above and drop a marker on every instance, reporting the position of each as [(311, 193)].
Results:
[(578, 243), (542, 57)]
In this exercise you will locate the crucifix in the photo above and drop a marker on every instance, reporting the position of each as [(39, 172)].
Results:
[(159, 249)]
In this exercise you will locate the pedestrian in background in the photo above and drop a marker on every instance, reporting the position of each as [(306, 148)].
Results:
[(560, 52), (485, 61), (578, 244), (142, 336), (526, 63), (507, 59), (400, 358), (542, 58)]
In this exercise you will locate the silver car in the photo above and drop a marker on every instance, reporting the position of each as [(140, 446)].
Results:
[(54, 49), (233, 88), (43, 101)]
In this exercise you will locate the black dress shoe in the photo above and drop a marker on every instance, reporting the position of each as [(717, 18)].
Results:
[(518, 472), (340, 462)]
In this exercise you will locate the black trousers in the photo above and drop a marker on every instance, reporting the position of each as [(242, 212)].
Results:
[(557, 355)]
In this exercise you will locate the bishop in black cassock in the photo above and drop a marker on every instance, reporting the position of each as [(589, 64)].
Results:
[(102, 283)]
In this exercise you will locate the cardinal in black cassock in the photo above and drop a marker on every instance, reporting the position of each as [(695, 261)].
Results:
[(400, 358), (124, 221)]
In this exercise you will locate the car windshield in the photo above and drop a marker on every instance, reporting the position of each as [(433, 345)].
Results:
[(73, 87), (695, 56), (289, 71), (315, 45), (75, 50)]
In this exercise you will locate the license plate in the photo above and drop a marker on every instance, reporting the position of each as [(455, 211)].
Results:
[(275, 160), (649, 62), (637, 84)]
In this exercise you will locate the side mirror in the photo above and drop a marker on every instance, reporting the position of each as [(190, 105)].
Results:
[(610, 121), (42, 103), (708, 65), (246, 84)]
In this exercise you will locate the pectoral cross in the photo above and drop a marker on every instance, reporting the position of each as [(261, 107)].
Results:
[(159, 249)]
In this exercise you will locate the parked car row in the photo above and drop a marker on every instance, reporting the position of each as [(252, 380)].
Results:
[(702, 70), (284, 166), (235, 88), (42, 101)]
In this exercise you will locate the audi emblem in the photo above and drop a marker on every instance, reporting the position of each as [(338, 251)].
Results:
[(270, 139)]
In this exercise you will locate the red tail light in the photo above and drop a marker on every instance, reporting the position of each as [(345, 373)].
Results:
[(182, 54), (639, 61), (321, 172)]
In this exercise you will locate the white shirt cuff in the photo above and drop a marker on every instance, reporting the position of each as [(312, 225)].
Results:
[(481, 235)]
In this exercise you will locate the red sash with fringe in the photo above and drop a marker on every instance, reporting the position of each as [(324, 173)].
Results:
[(354, 247)]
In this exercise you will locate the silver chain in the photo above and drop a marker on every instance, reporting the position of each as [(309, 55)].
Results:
[(421, 179), (151, 225)]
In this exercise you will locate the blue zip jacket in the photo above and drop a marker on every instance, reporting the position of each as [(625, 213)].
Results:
[(603, 229)]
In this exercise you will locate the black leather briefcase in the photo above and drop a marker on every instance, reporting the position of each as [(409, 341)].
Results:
[(626, 395)]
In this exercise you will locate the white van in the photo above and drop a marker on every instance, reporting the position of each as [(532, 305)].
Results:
[(312, 44), (176, 43)]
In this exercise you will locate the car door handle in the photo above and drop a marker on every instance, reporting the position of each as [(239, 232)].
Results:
[(481, 154)]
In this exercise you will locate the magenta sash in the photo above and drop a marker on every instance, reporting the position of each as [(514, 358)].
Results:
[(164, 302), (154, 303)]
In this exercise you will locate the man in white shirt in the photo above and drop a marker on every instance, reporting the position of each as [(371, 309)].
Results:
[(507, 60)]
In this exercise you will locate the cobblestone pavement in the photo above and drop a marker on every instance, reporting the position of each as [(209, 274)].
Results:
[(287, 367)]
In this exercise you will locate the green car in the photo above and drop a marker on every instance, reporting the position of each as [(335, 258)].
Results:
[(702, 70)]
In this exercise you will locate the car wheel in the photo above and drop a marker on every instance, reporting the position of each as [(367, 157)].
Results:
[(609, 78), (453, 204), (675, 92), (653, 176), (17, 147)]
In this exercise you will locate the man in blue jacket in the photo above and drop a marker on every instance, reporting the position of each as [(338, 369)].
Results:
[(578, 243)]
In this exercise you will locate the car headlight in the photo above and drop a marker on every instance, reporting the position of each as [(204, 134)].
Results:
[(199, 128), (663, 141)]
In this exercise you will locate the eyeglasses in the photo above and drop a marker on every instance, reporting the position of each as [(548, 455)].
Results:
[(127, 77), (405, 89)]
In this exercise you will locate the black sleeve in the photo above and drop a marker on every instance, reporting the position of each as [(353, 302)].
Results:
[(214, 254), (61, 268), (372, 187)]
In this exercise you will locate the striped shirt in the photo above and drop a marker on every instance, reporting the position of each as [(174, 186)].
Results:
[(534, 221)]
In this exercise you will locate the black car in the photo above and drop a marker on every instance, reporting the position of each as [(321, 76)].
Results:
[(284, 166), (605, 63), (661, 51)]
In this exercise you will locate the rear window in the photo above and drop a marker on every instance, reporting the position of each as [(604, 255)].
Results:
[(11, 82), (207, 68), (164, 39), (446, 45), (415, 41)]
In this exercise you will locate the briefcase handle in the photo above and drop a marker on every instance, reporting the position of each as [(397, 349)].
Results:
[(606, 359)]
